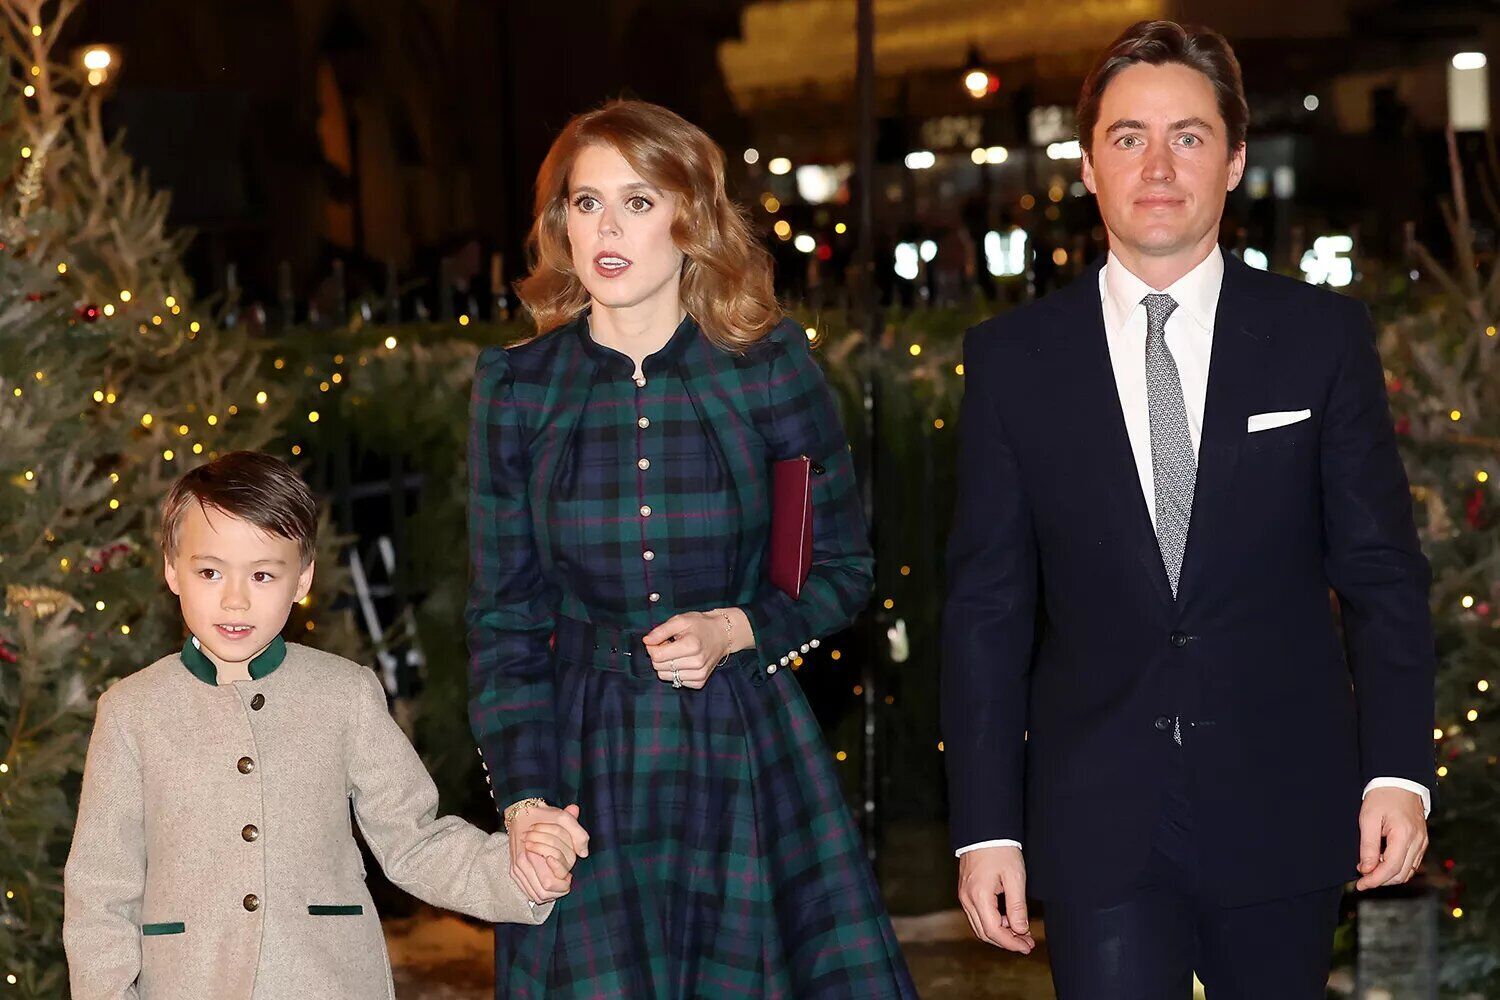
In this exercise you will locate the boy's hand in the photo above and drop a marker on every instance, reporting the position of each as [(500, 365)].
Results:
[(533, 871), (550, 841)]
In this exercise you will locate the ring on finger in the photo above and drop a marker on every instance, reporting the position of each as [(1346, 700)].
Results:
[(677, 678)]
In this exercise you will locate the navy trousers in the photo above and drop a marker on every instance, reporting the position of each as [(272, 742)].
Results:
[(1148, 945)]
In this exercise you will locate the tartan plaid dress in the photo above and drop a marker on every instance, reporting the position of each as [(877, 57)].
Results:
[(723, 859)]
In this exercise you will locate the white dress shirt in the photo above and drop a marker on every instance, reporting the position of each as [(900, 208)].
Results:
[(1190, 337)]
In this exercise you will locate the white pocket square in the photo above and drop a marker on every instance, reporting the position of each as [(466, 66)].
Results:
[(1268, 421)]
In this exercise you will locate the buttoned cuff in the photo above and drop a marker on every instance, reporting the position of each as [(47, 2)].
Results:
[(793, 657), (1410, 786), (987, 843)]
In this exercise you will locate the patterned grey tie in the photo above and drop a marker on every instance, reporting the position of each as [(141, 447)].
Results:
[(1174, 466)]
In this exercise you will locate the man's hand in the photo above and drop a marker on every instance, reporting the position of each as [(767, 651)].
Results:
[(533, 871), (983, 876), (1392, 815)]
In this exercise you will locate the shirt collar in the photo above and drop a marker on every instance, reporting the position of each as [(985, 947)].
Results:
[(1196, 293), (201, 667)]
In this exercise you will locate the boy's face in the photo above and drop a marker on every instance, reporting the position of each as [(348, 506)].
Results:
[(237, 583)]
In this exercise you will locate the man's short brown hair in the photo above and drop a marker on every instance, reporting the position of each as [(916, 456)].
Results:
[(1159, 43), (253, 487)]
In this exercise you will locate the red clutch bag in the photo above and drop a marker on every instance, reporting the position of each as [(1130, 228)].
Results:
[(791, 523)]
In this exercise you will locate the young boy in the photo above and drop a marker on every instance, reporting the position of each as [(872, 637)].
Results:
[(213, 856)]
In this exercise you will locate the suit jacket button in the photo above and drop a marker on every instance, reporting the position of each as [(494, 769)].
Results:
[(252, 902), (1178, 639), (1163, 723), (246, 765), (257, 703), (250, 833)]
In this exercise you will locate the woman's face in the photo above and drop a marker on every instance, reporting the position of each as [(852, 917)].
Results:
[(620, 232)]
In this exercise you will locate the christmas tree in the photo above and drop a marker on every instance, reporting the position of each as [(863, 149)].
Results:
[(1442, 353), (113, 381)]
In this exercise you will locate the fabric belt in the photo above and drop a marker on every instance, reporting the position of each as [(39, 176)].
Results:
[(603, 646), (620, 650)]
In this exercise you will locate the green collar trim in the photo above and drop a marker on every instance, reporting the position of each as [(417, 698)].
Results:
[(201, 667)]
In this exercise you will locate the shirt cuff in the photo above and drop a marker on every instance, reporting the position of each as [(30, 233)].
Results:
[(986, 843), (1410, 786)]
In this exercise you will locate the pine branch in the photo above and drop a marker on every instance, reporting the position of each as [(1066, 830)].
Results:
[(1431, 266)]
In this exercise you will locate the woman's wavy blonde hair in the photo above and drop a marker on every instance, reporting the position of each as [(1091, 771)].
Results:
[(726, 273)]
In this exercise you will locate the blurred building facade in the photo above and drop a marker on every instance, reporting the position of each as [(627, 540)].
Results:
[(376, 132), (1349, 103), (403, 135)]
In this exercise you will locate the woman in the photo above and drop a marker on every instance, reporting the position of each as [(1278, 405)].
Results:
[(627, 652)]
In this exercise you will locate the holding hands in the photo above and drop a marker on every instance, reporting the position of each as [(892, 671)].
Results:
[(545, 844)]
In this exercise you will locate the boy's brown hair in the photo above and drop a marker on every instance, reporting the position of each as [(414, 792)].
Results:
[(251, 486)]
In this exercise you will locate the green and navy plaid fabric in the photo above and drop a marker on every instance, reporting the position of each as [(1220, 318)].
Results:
[(723, 861)]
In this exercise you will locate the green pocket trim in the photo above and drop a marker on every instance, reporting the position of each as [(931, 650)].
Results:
[(157, 930), (335, 911)]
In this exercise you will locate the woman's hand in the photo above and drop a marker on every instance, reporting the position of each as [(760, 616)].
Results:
[(690, 646), (543, 840)]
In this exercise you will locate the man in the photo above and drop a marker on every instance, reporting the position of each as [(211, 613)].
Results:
[(1165, 467)]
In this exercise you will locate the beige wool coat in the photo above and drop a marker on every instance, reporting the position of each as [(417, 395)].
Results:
[(214, 857)]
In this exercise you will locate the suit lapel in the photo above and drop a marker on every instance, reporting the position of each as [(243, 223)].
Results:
[(1237, 371), (1097, 403)]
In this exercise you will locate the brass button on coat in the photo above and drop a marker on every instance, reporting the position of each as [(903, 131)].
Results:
[(246, 765), (257, 702), (252, 902), (250, 833)]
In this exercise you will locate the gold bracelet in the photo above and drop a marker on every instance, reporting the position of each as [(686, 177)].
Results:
[(518, 807), (728, 628)]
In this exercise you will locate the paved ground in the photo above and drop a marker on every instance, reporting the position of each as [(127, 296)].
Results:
[(438, 956)]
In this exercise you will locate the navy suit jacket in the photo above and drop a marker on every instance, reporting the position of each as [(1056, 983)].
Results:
[(1066, 656)]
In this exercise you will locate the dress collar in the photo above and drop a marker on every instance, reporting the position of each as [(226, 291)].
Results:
[(201, 667), (615, 361)]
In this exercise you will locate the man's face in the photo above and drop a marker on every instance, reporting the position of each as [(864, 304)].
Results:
[(1161, 163)]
